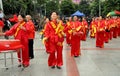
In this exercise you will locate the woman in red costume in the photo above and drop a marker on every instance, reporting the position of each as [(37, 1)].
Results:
[(76, 34), (19, 30), (68, 24), (54, 34), (100, 33)]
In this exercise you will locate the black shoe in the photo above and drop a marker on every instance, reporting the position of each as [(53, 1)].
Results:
[(47, 52), (19, 65), (31, 57), (53, 67), (25, 66), (76, 56), (58, 67)]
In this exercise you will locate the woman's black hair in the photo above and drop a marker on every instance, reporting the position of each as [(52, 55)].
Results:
[(55, 12), (23, 15)]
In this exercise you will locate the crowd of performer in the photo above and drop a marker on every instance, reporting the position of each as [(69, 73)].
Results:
[(75, 30), (55, 31), (104, 29)]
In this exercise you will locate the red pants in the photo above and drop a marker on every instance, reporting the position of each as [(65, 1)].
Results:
[(47, 46), (111, 33), (68, 38), (115, 32), (100, 39), (84, 37), (55, 57), (75, 46), (119, 31), (107, 36), (25, 52)]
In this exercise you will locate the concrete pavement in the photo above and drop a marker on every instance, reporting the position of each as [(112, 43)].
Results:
[(93, 61)]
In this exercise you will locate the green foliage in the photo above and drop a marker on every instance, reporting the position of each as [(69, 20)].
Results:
[(106, 7), (41, 1), (10, 6), (17, 6), (84, 7), (110, 5), (51, 6), (45, 7), (94, 8), (67, 7)]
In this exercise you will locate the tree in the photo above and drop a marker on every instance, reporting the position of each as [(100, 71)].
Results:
[(67, 7), (10, 6), (84, 7), (94, 7), (51, 6), (42, 1), (17, 6), (106, 7), (110, 5)]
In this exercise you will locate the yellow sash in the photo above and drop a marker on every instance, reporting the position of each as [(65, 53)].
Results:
[(83, 28), (59, 28), (68, 23), (99, 27), (53, 25), (78, 28), (18, 29), (75, 29)]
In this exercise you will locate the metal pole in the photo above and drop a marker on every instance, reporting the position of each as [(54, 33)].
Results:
[(5, 61), (12, 58)]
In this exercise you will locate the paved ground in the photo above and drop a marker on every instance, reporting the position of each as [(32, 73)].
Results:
[(93, 61)]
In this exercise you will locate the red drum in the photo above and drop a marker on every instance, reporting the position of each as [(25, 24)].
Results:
[(10, 44)]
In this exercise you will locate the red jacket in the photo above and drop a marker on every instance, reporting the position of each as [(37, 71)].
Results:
[(85, 24), (101, 25), (31, 29), (77, 26), (107, 24), (21, 34), (50, 32)]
